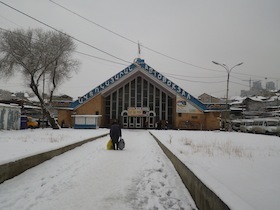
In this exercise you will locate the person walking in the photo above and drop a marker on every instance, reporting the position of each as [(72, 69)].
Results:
[(115, 134)]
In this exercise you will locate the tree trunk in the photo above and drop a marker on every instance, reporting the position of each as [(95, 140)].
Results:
[(52, 121), (46, 112)]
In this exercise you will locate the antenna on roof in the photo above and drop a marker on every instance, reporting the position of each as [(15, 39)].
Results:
[(139, 50)]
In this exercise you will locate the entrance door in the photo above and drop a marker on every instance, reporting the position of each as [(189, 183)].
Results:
[(131, 122), (135, 122), (138, 122), (125, 121), (152, 116)]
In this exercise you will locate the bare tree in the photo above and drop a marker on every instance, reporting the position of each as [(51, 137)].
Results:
[(38, 56)]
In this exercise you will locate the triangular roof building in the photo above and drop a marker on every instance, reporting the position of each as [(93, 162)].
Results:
[(141, 97)]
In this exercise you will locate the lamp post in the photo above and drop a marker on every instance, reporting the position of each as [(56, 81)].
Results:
[(228, 74)]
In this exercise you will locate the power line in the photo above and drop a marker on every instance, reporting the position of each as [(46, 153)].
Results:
[(130, 40), (146, 47), (181, 61), (191, 76), (252, 75), (237, 78), (89, 45), (204, 82), (82, 53), (218, 91), (239, 84), (9, 20), (170, 75), (103, 59), (75, 13), (195, 81)]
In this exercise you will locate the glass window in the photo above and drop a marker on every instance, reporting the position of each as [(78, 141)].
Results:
[(163, 102), (272, 123), (120, 101), (126, 96), (132, 93), (132, 88)]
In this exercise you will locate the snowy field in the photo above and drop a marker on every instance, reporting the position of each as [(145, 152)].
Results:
[(91, 177), (19, 144), (243, 169)]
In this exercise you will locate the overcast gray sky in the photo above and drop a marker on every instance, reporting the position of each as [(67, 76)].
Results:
[(193, 32)]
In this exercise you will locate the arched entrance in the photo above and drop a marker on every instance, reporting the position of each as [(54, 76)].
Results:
[(138, 121)]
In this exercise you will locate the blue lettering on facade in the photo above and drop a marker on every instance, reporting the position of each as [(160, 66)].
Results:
[(172, 85), (179, 90), (151, 71), (91, 93), (103, 86)]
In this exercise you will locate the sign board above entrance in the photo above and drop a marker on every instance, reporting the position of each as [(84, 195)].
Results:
[(138, 111)]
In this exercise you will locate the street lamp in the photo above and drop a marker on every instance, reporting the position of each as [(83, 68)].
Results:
[(228, 73)]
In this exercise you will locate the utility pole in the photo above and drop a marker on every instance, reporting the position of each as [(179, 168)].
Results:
[(228, 74), (43, 112)]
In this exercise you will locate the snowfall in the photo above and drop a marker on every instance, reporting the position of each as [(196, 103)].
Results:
[(242, 169)]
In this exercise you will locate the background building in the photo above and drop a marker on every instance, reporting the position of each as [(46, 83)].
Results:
[(206, 98)]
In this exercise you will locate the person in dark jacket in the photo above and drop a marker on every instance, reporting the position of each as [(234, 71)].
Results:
[(115, 134)]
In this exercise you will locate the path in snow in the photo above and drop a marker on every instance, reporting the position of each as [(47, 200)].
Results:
[(91, 177)]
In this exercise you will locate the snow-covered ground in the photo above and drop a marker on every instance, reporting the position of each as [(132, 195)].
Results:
[(243, 169), (91, 177), (19, 144)]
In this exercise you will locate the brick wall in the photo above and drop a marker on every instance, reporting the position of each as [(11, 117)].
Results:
[(200, 121), (65, 117), (95, 106)]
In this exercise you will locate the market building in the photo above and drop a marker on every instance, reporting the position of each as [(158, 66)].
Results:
[(141, 97)]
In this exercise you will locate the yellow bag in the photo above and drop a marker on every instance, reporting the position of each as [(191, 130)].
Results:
[(110, 144)]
